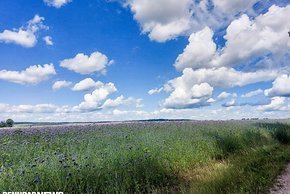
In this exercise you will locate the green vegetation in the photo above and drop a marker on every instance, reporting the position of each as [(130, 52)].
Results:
[(8, 123), (175, 157), (2, 124)]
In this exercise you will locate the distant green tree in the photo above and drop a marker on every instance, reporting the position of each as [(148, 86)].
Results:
[(2, 124), (9, 123)]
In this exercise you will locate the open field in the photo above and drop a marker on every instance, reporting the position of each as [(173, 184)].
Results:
[(145, 157)]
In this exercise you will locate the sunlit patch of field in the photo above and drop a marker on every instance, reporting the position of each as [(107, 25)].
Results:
[(145, 157)]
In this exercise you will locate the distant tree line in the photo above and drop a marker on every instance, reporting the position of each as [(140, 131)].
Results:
[(7, 123)]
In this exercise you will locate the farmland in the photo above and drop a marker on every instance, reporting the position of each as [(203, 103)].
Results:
[(145, 157)]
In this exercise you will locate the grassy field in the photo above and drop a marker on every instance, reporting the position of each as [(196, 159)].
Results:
[(145, 157)]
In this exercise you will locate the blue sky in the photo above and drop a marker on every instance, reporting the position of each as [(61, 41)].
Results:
[(73, 60)]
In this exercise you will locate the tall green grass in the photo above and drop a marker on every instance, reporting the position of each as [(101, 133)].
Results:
[(172, 157)]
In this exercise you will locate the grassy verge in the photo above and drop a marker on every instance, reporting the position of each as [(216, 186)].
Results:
[(205, 157), (250, 172)]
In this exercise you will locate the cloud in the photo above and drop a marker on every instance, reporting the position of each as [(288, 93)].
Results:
[(123, 114), (222, 77), (246, 40), (230, 103), (84, 64), (255, 103), (255, 46), (86, 84), (250, 44), (98, 99), (250, 38), (48, 40), (186, 95), (211, 100), (94, 100), (155, 91), (39, 108), (277, 103), (57, 3), (198, 53), (139, 103), (26, 35), (121, 100), (31, 75), (60, 84), (203, 81), (254, 50), (109, 103), (162, 19), (225, 95), (281, 87), (165, 20), (234, 6), (252, 93), (234, 103)]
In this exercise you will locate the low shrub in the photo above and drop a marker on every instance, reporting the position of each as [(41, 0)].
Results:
[(9, 123)]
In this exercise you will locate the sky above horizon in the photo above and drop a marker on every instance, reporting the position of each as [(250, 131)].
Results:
[(95, 60)]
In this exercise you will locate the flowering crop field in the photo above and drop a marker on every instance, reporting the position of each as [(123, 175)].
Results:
[(145, 157)]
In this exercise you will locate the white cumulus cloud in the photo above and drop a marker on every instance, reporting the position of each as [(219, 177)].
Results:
[(84, 64), (25, 35), (86, 84), (225, 95), (31, 75), (165, 20), (277, 103), (121, 100), (247, 38), (281, 87), (112, 103), (234, 6), (48, 40), (162, 19), (155, 91), (223, 77), (94, 100), (198, 52), (230, 103), (57, 3), (186, 95), (60, 84), (252, 93)]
